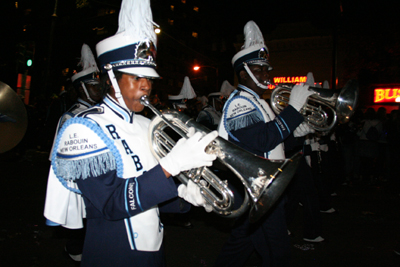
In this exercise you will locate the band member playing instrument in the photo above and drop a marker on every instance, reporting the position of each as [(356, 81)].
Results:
[(208, 115), (249, 122), (85, 83), (104, 153)]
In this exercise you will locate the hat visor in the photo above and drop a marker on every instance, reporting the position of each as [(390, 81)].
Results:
[(84, 73), (181, 105), (149, 73), (217, 94), (175, 97), (261, 63)]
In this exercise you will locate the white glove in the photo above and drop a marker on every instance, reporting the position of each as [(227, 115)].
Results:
[(302, 130), (299, 95), (191, 193), (191, 132), (189, 153)]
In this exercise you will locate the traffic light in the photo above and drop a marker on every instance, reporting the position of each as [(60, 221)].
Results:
[(30, 54), (25, 56)]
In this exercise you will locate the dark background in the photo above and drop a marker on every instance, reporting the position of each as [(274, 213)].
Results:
[(367, 33)]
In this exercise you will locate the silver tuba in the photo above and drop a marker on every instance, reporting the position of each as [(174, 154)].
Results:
[(324, 108), (264, 180)]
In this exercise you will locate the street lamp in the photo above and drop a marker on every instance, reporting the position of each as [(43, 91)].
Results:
[(197, 68)]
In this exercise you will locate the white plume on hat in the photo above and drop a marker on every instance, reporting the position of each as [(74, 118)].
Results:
[(325, 84), (87, 59), (136, 20), (88, 63), (311, 82), (225, 92), (310, 79), (226, 89), (252, 35), (187, 91)]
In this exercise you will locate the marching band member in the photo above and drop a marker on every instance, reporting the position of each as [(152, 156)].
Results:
[(85, 83), (208, 115), (104, 152), (249, 122)]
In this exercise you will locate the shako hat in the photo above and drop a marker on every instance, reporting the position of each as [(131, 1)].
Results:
[(226, 89), (89, 68), (132, 49), (187, 91), (254, 51)]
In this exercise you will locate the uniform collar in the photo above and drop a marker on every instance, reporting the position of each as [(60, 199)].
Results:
[(82, 102), (121, 112), (241, 87)]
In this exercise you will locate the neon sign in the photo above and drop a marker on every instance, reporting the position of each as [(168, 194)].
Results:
[(387, 95), (295, 79)]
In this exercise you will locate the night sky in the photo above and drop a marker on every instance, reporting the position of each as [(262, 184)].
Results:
[(374, 23)]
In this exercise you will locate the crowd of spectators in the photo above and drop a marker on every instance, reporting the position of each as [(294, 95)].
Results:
[(369, 146)]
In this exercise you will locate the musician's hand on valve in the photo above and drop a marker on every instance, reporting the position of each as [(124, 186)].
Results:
[(189, 153), (191, 193), (299, 95), (302, 130)]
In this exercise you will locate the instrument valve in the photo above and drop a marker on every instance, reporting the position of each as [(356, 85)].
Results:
[(195, 174), (261, 172)]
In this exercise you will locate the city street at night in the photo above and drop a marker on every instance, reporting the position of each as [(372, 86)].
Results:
[(272, 77)]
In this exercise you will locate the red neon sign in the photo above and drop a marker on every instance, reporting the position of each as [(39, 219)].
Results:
[(387, 95), (295, 79)]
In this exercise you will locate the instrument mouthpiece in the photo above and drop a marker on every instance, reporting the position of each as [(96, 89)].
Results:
[(144, 100)]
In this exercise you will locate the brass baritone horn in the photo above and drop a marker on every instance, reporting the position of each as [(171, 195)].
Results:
[(324, 108), (264, 180)]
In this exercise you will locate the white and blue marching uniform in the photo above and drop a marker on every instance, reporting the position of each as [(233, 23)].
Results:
[(248, 121), (59, 198), (105, 151), (78, 107)]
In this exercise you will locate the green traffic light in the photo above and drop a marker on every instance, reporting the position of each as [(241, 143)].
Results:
[(29, 62)]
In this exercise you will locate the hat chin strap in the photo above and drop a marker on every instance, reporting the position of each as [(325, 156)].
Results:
[(262, 86), (86, 93), (114, 83)]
